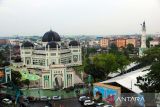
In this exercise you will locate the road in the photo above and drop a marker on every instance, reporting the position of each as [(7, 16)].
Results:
[(60, 103)]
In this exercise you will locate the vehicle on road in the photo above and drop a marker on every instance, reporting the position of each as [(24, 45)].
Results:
[(7, 101), (44, 98), (83, 98), (56, 98), (88, 103)]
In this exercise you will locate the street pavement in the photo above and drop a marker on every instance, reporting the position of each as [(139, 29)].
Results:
[(61, 103)]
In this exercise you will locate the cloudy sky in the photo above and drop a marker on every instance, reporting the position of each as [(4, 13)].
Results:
[(74, 17)]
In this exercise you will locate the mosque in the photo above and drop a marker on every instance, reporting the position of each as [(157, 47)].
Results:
[(53, 59)]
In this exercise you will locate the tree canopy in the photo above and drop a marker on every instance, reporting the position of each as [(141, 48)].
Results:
[(150, 55), (103, 64), (122, 62), (106, 62), (16, 77), (113, 48), (151, 81), (26, 82), (148, 41)]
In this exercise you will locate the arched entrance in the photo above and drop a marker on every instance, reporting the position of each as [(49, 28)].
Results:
[(58, 82)]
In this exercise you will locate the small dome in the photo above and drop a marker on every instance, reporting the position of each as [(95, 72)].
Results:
[(52, 44), (74, 43), (27, 44), (51, 36)]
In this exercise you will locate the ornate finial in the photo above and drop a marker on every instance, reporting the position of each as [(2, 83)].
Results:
[(50, 29)]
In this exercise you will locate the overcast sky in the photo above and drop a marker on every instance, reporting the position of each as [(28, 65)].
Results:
[(74, 17)]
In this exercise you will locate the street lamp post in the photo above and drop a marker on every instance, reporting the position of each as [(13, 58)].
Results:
[(89, 84), (39, 89)]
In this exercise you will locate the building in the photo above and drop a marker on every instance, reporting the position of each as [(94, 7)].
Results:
[(14, 41), (93, 43), (4, 42), (53, 59), (120, 42), (104, 42), (154, 42), (131, 41), (5, 74), (127, 82), (109, 93)]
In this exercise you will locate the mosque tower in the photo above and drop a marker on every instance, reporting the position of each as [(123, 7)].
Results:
[(143, 40), (143, 36)]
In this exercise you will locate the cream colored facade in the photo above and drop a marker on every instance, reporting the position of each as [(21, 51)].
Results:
[(120, 42), (131, 41), (154, 43), (54, 64), (104, 42)]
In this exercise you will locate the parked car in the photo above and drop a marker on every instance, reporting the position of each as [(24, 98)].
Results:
[(7, 101), (83, 98), (56, 98), (88, 103), (44, 98)]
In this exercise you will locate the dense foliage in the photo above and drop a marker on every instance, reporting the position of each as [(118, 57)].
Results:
[(16, 77), (102, 64), (151, 81), (26, 82), (148, 41)]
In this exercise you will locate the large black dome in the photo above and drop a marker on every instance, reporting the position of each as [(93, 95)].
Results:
[(52, 44), (74, 43), (51, 36), (27, 44)]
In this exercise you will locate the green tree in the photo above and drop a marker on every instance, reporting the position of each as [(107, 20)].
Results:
[(148, 41), (16, 77), (27, 82), (150, 55), (130, 48), (113, 48), (122, 62), (151, 81), (91, 50), (106, 62), (2, 58), (97, 74)]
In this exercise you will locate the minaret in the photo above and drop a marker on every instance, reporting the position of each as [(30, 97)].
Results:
[(143, 40), (143, 36)]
